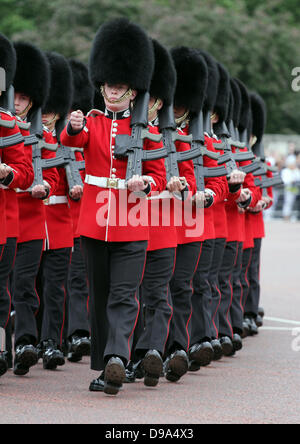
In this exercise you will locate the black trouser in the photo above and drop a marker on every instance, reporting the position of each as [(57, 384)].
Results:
[(77, 292), (252, 302), (156, 299), (115, 271), (247, 255), (54, 271), (202, 296), (6, 266), (225, 282), (236, 309), (187, 258), (25, 297), (213, 277)]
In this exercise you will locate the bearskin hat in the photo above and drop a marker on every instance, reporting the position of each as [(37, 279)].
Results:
[(245, 106), (237, 102), (61, 86), (259, 116), (98, 101), (83, 93), (8, 60), (163, 81), (33, 74), (223, 95), (192, 78), (213, 80), (122, 53)]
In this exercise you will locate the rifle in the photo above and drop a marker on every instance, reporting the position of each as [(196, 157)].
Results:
[(230, 158), (66, 158), (265, 182), (131, 146), (170, 135), (197, 132), (38, 143)]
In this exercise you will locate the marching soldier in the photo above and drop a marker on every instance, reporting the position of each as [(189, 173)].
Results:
[(189, 97), (255, 222), (115, 251), (59, 242), (31, 83), (15, 171), (77, 291)]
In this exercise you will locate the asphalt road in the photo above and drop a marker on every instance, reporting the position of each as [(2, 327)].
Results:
[(261, 384)]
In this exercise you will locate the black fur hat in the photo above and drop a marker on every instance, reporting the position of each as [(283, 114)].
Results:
[(237, 102), (223, 95), (98, 101), (245, 106), (8, 60), (122, 53), (213, 80), (33, 73), (259, 116), (61, 88), (192, 78), (83, 91), (163, 81)]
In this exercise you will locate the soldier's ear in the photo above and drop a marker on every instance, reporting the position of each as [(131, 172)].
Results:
[(133, 94)]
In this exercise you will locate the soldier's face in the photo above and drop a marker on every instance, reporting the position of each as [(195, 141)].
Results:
[(22, 101), (179, 111), (114, 93)]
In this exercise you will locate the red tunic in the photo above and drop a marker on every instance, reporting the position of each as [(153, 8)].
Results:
[(235, 219), (255, 221), (32, 210), (15, 157), (59, 225), (203, 221), (108, 214), (75, 205)]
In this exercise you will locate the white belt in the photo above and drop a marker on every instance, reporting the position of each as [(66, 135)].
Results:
[(54, 200), (163, 195), (106, 182)]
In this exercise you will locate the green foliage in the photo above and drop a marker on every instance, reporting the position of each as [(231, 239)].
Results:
[(257, 41)]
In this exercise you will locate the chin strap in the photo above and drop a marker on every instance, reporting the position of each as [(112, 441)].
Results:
[(182, 118), (125, 96), (24, 113)]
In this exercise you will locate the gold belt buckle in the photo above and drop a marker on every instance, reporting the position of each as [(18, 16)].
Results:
[(112, 183), (46, 201)]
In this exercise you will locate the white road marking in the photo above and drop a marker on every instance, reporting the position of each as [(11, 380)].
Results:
[(284, 321), (277, 328)]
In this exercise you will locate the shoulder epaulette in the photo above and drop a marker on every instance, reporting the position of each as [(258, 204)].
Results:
[(95, 113), (5, 111)]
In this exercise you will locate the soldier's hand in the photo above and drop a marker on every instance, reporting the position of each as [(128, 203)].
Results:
[(199, 199), (245, 194), (76, 192), (236, 177), (258, 207), (267, 200), (176, 184), (137, 183), (5, 170), (39, 191), (77, 120)]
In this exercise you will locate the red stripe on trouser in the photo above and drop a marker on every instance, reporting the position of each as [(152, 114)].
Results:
[(217, 308), (191, 285), (8, 292), (65, 298), (138, 303), (171, 308), (230, 326), (37, 310), (246, 276)]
